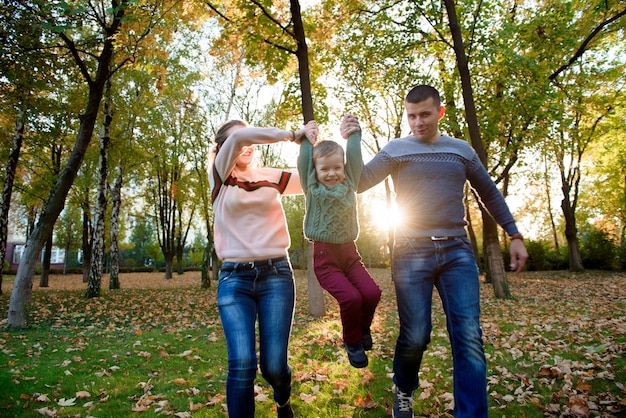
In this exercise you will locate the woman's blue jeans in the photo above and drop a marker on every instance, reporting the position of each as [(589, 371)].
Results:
[(246, 292), (419, 265)]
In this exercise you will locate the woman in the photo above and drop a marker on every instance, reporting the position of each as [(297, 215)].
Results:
[(256, 278)]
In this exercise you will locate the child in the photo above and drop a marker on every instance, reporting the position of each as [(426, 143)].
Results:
[(329, 185)]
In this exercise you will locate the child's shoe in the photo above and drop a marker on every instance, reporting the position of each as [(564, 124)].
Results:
[(367, 340), (356, 355)]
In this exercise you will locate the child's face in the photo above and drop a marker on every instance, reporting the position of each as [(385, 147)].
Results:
[(329, 169)]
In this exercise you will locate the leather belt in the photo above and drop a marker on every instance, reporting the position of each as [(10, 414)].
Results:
[(258, 264), (439, 238)]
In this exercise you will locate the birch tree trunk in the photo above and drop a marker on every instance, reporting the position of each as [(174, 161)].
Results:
[(97, 249), (87, 236), (116, 204)]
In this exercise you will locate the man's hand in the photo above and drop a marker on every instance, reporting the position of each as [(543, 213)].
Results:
[(349, 125), (519, 255)]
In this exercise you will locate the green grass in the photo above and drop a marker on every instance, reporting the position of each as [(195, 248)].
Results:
[(556, 349)]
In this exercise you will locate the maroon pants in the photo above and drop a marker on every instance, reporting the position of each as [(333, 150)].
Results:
[(340, 271)]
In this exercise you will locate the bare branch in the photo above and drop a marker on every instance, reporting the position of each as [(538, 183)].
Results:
[(583, 47)]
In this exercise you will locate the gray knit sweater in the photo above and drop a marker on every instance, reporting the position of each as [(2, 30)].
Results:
[(429, 181)]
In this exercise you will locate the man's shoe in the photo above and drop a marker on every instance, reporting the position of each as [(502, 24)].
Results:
[(402, 404), (285, 411), (356, 355), (367, 340)]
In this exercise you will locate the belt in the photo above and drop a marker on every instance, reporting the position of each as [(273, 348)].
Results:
[(258, 264), (438, 238)]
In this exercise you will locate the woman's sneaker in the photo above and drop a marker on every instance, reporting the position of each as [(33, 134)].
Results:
[(402, 404), (356, 355), (285, 411)]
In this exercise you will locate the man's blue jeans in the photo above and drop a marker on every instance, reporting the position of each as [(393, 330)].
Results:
[(244, 294), (450, 266)]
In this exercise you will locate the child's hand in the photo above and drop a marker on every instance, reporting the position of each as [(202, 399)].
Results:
[(349, 125)]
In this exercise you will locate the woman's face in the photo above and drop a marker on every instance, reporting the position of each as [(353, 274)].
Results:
[(246, 156), (247, 153)]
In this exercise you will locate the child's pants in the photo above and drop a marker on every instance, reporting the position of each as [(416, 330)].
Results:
[(340, 271)]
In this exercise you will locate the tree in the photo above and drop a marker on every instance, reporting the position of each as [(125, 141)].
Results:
[(490, 232), (109, 24), (7, 188), (97, 251), (583, 91), (276, 36)]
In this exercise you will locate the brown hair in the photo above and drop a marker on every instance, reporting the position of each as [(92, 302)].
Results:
[(423, 92), (222, 132), (326, 147)]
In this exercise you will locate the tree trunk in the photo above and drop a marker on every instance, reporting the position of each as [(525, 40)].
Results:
[(22, 287), (315, 293), (215, 265), (180, 267), (493, 257), (205, 281), (571, 234), (116, 204), (490, 240), (169, 263), (45, 263), (7, 189), (87, 238), (471, 233), (317, 306), (546, 179), (97, 253)]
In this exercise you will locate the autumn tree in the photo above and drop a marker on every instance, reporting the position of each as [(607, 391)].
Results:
[(56, 20), (271, 35)]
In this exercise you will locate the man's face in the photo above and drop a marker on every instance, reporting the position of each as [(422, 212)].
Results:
[(423, 118)]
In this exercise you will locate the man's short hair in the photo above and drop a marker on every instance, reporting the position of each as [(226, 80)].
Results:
[(423, 92)]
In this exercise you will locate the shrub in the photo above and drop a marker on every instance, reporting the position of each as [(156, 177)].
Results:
[(597, 249)]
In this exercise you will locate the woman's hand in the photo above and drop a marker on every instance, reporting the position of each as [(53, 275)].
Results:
[(309, 131)]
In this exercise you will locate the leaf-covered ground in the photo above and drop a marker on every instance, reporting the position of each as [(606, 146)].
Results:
[(555, 349)]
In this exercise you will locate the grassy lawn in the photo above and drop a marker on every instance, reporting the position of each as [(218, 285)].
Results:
[(156, 348)]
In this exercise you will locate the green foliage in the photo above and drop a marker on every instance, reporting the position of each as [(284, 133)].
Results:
[(145, 249), (542, 256), (597, 248), (621, 256)]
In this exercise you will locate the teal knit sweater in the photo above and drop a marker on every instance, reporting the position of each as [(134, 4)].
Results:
[(331, 212)]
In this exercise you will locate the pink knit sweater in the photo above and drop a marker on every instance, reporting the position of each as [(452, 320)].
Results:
[(249, 219)]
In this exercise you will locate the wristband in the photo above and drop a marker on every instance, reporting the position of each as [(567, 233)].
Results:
[(517, 236)]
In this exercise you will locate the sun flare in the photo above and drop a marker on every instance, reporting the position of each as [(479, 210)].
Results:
[(385, 216)]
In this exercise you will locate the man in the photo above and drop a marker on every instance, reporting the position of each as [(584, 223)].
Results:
[(429, 171)]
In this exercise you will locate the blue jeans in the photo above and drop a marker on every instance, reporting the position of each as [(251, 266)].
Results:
[(245, 293), (450, 266)]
